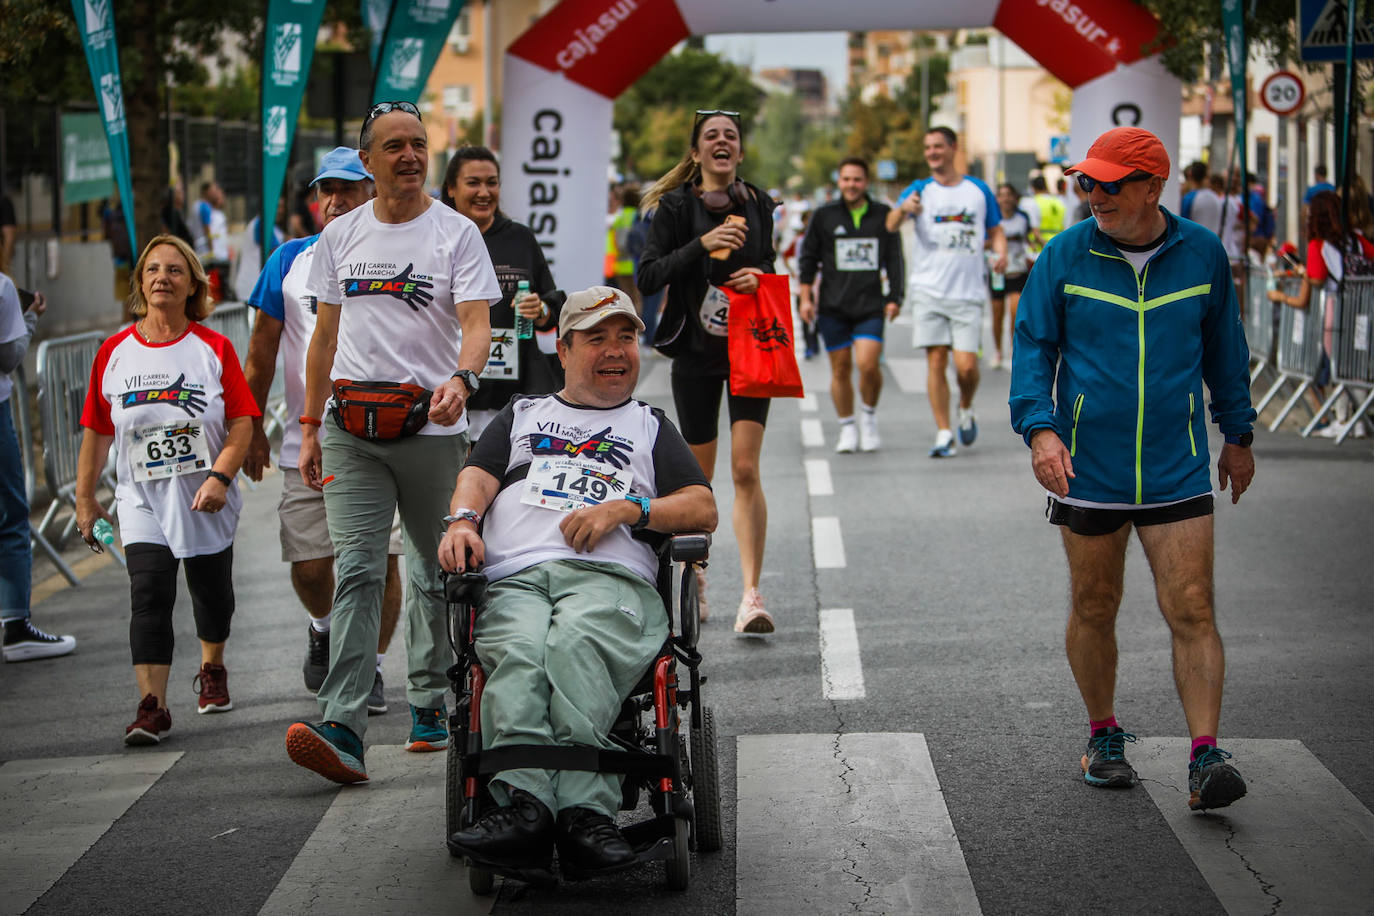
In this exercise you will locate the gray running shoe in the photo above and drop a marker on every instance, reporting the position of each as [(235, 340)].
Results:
[(376, 700)]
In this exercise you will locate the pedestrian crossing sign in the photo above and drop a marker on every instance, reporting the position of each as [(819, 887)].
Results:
[(1322, 26)]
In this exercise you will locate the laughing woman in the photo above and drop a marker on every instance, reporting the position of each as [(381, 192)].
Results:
[(713, 231)]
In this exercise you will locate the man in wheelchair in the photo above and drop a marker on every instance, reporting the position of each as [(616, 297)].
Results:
[(551, 503)]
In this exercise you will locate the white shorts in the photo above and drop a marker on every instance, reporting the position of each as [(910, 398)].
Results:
[(956, 323), (305, 530)]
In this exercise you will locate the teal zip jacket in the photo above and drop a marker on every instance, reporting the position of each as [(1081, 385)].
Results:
[(1131, 353)]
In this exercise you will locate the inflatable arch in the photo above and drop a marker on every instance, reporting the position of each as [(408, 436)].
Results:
[(562, 76)]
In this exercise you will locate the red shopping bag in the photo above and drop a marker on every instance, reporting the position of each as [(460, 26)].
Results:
[(763, 363)]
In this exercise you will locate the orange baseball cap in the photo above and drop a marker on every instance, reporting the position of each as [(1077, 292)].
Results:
[(1121, 151)]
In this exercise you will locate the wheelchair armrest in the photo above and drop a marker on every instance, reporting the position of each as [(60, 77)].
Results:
[(690, 548), (465, 588)]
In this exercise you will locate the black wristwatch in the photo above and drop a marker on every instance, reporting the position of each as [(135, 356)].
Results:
[(469, 378), (1243, 440), (222, 478)]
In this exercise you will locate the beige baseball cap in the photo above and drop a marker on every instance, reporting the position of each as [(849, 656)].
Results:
[(587, 308)]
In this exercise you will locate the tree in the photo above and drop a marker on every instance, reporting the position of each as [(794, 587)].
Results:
[(654, 116), (162, 43), (776, 138)]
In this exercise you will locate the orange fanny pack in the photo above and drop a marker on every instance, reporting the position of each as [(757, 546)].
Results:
[(380, 411)]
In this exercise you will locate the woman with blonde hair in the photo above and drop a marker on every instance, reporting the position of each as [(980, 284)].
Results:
[(169, 394), (713, 231)]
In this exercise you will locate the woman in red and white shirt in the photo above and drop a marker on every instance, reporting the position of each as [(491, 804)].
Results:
[(169, 394)]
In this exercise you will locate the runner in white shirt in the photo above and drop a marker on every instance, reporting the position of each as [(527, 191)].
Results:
[(286, 320), (403, 288), (955, 214), (168, 393)]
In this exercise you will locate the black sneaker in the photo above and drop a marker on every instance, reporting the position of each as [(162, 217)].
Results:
[(376, 699), (1212, 782), (24, 642), (1105, 763), (590, 844), (316, 659), (518, 836)]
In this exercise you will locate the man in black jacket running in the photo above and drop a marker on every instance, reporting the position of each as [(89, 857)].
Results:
[(849, 242)]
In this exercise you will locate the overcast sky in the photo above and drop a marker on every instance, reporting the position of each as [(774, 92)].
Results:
[(802, 50)]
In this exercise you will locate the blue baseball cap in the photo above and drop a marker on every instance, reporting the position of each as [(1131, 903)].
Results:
[(342, 162)]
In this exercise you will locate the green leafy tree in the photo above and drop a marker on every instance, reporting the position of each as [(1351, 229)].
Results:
[(654, 116), (162, 43), (773, 145)]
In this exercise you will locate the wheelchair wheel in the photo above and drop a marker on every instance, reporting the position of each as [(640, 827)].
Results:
[(480, 881), (706, 783), (680, 865)]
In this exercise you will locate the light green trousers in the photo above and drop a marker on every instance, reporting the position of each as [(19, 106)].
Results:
[(563, 643), (371, 480)]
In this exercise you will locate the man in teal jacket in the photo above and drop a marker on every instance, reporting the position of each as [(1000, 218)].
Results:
[(1123, 319)]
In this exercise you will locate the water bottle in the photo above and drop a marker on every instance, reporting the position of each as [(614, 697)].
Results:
[(103, 531), (999, 281), (524, 327)]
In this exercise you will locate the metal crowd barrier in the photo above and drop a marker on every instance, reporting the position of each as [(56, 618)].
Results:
[(23, 429), (231, 319), (1299, 350), (1352, 351), (64, 370), (1258, 315)]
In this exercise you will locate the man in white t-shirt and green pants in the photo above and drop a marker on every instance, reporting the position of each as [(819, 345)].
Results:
[(400, 282)]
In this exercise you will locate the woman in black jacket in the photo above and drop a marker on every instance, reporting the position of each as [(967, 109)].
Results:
[(713, 231), (472, 186)]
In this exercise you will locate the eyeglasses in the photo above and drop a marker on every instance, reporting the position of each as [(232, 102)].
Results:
[(1111, 187), (704, 113), (381, 108)]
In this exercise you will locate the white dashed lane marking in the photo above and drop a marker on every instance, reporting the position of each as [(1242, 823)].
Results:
[(818, 482), (842, 672), (827, 543)]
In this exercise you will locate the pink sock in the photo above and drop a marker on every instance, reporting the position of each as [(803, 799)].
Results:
[(1203, 741), (1095, 724)]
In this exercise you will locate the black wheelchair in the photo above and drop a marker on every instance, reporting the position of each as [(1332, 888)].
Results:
[(678, 770)]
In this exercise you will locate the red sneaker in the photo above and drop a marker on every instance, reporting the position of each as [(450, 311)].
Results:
[(213, 686), (149, 725)]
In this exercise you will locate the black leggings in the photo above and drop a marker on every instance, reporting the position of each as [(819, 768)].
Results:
[(697, 399), (153, 594)]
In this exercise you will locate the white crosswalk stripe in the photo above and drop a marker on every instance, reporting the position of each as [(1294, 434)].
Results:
[(52, 811)]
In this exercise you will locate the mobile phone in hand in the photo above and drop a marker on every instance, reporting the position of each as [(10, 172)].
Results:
[(734, 219), (25, 299)]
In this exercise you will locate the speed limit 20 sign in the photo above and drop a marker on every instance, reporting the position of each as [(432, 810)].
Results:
[(1282, 93)]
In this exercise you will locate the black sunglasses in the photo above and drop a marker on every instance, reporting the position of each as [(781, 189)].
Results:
[(381, 108), (1111, 187), (704, 113)]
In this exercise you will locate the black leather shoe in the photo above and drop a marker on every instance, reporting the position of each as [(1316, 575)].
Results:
[(514, 836), (589, 843)]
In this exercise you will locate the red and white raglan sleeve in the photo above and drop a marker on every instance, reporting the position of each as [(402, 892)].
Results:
[(95, 415)]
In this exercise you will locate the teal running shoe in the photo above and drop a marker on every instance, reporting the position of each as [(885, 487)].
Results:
[(1212, 782), (428, 730), (1104, 764)]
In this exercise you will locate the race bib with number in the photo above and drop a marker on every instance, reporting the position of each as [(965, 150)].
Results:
[(715, 311), (503, 360), (565, 484), (162, 450), (856, 254)]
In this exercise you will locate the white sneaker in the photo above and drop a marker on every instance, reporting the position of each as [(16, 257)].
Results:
[(869, 440), (849, 439), (944, 445), (996, 361)]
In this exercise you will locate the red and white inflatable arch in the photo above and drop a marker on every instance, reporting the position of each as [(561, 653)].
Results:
[(562, 76)]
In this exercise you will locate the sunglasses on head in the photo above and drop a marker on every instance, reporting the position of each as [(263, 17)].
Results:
[(381, 108), (1111, 187), (704, 113)]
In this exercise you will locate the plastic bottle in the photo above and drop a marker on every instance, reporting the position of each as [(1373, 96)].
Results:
[(524, 327), (103, 531)]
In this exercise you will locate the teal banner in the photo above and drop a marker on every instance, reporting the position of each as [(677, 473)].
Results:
[(287, 51), (415, 35), (375, 16), (87, 172), (1233, 24), (95, 18)]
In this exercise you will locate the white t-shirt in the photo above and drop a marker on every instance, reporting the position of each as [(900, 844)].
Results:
[(1016, 228), (1233, 232), (12, 327), (211, 232), (606, 454), (1206, 209), (954, 222), (397, 284), (187, 389), (282, 293)]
